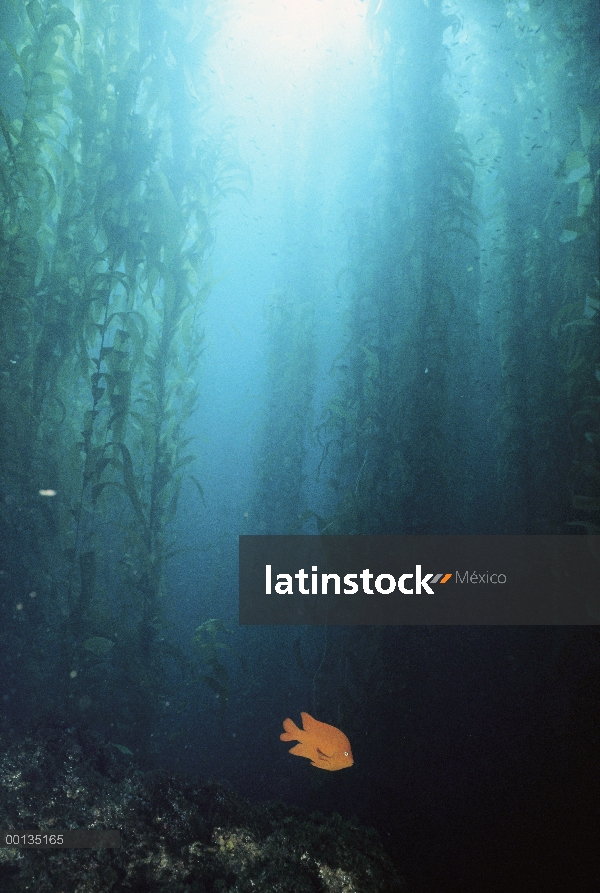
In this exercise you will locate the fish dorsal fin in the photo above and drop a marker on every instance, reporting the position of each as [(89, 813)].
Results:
[(309, 724)]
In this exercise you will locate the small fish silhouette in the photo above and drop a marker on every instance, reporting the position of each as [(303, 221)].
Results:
[(325, 746)]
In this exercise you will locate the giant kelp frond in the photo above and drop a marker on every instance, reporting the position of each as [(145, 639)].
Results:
[(107, 197)]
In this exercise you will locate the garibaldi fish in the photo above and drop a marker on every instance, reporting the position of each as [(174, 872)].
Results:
[(324, 745)]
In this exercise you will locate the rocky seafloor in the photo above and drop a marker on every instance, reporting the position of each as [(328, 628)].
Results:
[(176, 836)]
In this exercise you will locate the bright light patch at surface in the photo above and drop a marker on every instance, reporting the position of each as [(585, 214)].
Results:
[(273, 48), (293, 33), (291, 76), (298, 32)]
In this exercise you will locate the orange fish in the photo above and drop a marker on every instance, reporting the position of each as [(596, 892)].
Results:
[(325, 746)]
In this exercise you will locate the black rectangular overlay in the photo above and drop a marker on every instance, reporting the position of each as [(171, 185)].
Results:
[(419, 580)]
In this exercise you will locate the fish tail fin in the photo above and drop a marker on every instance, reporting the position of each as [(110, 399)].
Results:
[(291, 731)]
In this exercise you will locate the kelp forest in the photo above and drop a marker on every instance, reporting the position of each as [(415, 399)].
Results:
[(108, 191), (433, 369)]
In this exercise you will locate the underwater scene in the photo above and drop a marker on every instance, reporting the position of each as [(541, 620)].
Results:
[(292, 267)]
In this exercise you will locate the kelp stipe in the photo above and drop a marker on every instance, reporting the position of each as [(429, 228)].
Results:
[(278, 506), (213, 671)]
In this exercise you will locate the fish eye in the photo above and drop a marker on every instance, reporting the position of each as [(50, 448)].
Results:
[(346, 754)]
